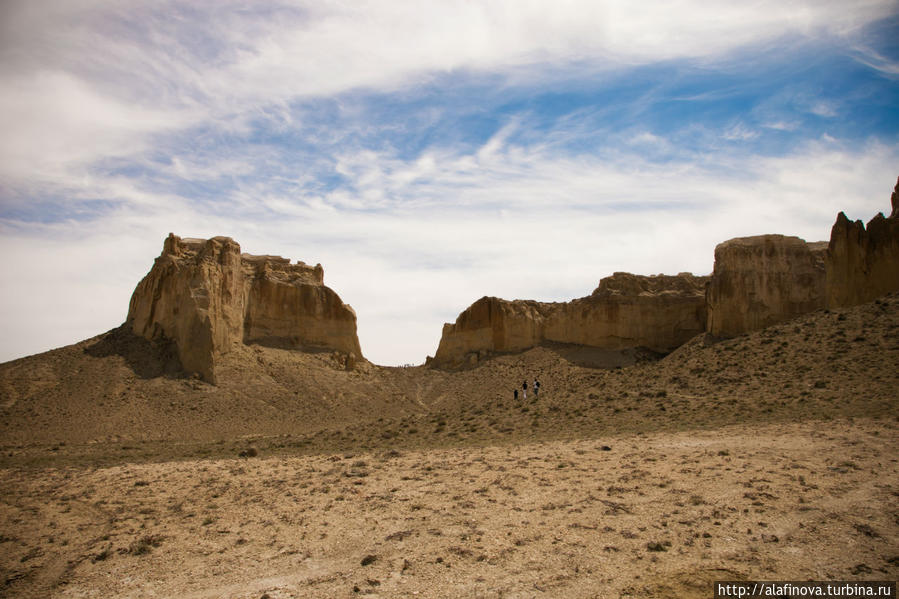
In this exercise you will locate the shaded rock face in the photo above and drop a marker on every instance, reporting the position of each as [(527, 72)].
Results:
[(762, 280), (894, 201), (204, 295), (659, 312), (863, 263)]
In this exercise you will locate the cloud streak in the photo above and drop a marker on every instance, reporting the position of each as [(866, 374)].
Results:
[(426, 153)]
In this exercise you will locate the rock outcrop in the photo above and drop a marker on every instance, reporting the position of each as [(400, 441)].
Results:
[(204, 295), (491, 325), (863, 263), (894, 201), (657, 312), (762, 280)]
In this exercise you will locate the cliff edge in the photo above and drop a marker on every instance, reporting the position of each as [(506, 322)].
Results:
[(863, 262), (759, 281), (203, 295), (625, 311)]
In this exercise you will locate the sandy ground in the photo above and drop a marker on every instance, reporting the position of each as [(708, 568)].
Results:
[(770, 456), (645, 515)]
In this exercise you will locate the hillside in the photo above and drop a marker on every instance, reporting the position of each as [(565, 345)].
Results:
[(117, 390), (769, 456)]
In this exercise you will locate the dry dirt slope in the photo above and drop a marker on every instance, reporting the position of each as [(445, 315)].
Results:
[(825, 365), (117, 390), (771, 456)]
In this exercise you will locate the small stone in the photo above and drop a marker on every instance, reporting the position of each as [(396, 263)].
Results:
[(369, 559)]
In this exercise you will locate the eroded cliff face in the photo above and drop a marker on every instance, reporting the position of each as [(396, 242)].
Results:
[(204, 295), (490, 325), (863, 263), (762, 280), (658, 312)]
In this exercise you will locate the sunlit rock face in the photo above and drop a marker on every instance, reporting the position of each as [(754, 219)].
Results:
[(657, 312), (204, 295)]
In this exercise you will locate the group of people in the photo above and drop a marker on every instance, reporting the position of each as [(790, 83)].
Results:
[(524, 389)]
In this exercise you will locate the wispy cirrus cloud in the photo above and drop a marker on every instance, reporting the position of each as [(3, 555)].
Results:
[(430, 151)]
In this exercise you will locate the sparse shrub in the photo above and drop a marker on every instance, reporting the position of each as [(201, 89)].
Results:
[(107, 551), (145, 544)]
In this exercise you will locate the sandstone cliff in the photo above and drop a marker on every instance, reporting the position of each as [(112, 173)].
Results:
[(204, 295), (863, 263), (758, 281), (894, 201), (658, 312), (490, 325)]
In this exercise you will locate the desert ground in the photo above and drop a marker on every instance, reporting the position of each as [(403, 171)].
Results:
[(772, 456)]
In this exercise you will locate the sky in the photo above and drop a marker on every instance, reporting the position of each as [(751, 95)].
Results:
[(426, 153)]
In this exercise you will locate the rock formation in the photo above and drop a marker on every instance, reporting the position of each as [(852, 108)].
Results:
[(762, 280), (658, 312), (894, 201), (758, 281), (863, 263), (490, 325), (204, 295)]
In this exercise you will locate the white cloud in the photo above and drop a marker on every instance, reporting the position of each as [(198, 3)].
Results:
[(739, 132), (781, 125), (53, 122), (872, 58), (83, 80), (408, 241), (824, 109), (516, 223)]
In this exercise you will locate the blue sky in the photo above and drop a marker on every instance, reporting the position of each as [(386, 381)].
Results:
[(426, 153)]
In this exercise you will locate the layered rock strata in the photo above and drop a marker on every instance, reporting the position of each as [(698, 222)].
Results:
[(762, 280), (863, 262), (204, 295), (657, 312)]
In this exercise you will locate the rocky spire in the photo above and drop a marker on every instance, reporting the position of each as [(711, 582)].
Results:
[(894, 200)]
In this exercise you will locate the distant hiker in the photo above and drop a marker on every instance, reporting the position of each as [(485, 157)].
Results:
[(515, 394), (524, 388), (536, 388)]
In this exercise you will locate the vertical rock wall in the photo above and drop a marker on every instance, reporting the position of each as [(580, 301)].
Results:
[(759, 281), (659, 312), (863, 262), (204, 295)]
